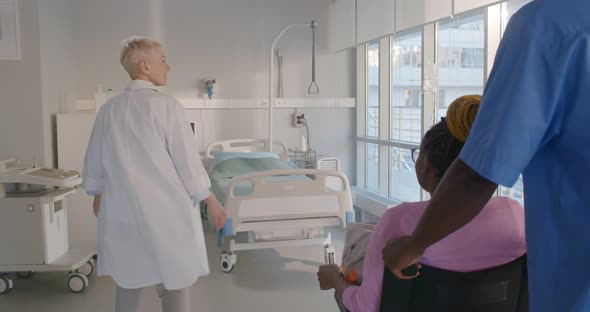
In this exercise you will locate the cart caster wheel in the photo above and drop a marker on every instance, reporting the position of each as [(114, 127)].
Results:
[(25, 274), (77, 282), (87, 268), (6, 284), (227, 262)]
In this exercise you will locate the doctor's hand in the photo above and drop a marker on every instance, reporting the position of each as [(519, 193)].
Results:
[(96, 204), (401, 253), (216, 211)]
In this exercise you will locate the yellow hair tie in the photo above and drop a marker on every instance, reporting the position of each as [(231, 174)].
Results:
[(461, 115)]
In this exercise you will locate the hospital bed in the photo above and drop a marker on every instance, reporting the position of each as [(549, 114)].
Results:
[(272, 202)]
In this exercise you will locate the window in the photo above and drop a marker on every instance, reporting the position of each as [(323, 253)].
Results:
[(406, 86), (373, 90), (384, 149), (460, 58), (472, 58), (372, 168), (406, 54), (516, 192), (392, 122), (403, 184), (406, 115)]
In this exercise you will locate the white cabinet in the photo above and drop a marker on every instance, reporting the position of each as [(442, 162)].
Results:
[(34, 227)]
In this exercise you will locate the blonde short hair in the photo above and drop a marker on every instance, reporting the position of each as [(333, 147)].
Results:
[(135, 50)]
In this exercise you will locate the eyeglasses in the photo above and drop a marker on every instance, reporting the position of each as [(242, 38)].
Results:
[(415, 154)]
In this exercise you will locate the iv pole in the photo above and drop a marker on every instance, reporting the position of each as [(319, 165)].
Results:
[(271, 77)]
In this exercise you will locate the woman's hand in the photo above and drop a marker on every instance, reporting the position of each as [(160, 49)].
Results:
[(328, 276), (96, 204), (401, 253), (216, 211)]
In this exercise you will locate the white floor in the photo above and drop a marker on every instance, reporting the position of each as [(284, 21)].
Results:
[(282, 279)]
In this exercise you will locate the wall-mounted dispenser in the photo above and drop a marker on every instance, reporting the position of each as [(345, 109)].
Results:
[(208, 83)]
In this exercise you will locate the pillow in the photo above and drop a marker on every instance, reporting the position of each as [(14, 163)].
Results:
[(231, 168), (353, 255), (221, 156)]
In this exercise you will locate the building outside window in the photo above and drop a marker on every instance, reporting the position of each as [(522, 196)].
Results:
[(460, 58), (373, 84), (406, 115), (373, 89)]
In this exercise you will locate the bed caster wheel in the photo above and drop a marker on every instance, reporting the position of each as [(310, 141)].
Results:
[(26, 274), (329, 255), (227, 262), (77, 282), (87, 268), (6, 284)]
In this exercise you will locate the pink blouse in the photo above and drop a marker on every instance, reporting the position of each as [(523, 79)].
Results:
[(495, 237)]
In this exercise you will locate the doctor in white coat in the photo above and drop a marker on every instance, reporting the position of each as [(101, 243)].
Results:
[(142, 165)]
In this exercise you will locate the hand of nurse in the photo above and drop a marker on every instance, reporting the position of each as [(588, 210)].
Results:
[(401, 253), (216, 211)]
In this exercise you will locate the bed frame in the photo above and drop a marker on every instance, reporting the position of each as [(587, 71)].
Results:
[(282, 213)]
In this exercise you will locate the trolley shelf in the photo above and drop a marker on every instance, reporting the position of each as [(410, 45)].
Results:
[(70, 261)]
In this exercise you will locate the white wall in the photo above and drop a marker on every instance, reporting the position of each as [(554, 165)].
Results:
[(224, 39), (331, 130), (21, 123), (58, 72)]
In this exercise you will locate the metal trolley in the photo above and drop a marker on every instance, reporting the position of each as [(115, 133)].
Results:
[(34, 226)]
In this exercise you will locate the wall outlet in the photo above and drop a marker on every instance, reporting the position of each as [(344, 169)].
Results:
[(298, 120)]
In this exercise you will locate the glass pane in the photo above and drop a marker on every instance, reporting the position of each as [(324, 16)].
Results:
[(373, 167), (461, 59), (403, 184), (373, 89), (516, 192), (406, 84)]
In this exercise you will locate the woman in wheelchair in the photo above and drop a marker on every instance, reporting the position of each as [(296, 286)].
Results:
[(493, 238)]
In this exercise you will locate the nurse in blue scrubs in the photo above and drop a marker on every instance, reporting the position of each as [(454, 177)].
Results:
[(534, 119)]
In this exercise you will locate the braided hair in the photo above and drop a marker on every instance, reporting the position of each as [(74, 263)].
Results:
[(441, 145)]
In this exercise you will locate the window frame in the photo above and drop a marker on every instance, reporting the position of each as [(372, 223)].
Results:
[(429, 90)]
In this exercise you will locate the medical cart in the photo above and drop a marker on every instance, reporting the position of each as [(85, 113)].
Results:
[(34, 226)]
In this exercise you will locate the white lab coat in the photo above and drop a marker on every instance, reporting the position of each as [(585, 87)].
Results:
[(143, 158)]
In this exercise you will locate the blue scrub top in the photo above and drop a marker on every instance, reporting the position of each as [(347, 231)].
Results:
[(535, 119)]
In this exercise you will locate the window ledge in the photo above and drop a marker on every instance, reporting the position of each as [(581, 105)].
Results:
[(370, 202)]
